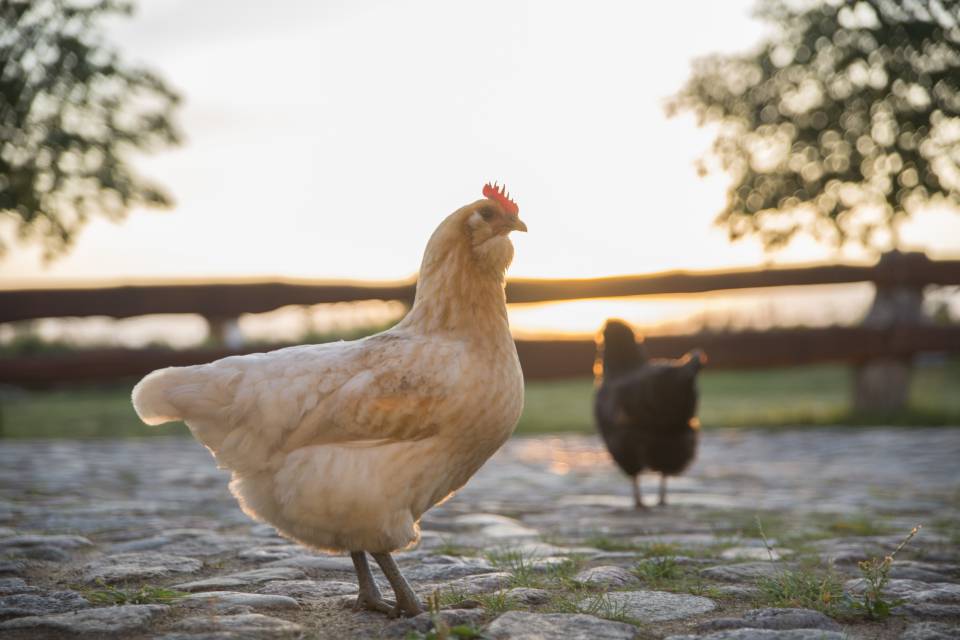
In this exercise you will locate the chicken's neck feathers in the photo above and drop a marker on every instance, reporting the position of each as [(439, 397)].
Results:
[(457, 294)]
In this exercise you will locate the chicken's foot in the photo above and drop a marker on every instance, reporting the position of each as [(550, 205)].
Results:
[(637, 496), (369, 597), (408, 604), (663, 490)]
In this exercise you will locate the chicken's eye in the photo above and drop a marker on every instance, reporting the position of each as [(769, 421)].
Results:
[(486, 214)]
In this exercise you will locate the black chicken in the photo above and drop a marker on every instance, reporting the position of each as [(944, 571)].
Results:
[(646, 409)]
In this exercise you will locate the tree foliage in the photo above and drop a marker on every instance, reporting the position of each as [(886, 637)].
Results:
[(840, 125), (71, 112)]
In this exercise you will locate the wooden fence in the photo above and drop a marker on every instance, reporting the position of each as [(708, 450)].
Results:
[(540, 358), (232, 299)]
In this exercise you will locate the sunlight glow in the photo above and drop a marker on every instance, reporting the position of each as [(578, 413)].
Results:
[(324, 142)]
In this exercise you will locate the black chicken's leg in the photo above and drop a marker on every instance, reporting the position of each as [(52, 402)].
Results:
[(663, 490), (369, 596), (407, 602), (637, 496)]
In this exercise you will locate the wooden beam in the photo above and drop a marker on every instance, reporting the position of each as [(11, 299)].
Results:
[(541, 359), (231, 299), (219, 300)]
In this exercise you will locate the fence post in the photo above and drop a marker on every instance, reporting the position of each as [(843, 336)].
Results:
[(883, 384), (224, 332)]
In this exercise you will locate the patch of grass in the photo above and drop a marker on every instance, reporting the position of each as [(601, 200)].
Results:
[(559, 406), (107, 594), (812, 587), (643, 549), (596, 604), (804, 587), (443, 631), (605, 543), (857, 525), (664, 573), (497, 602), (493, 603), (89, 412), (602, 607), (659, 549), (948, 526), (459, 632), (658, 570), (452, 598), (746, 523), (564, 571), (788, 529), (524, 571), (876, 575), (448, 548), (809, 395)]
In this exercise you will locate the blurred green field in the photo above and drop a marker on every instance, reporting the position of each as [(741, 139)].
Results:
[(815, 395), (812, 395)]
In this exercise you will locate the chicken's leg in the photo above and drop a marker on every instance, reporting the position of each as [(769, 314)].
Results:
[(663, 490), (369, 596), (407, 602), (637, 497)]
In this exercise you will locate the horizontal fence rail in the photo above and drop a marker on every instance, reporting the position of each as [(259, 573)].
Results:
[(540, 359), (229, 300), (221, 300), (220, 303)]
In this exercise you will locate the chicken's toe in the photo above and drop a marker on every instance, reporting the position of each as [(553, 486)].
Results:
[(380, 605), (406, 610)]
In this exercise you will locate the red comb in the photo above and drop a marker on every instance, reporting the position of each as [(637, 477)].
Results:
[(500, 194)]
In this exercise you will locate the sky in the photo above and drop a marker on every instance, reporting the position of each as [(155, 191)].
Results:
[(326, 140)]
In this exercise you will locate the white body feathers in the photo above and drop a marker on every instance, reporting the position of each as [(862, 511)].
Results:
[(345, 445)]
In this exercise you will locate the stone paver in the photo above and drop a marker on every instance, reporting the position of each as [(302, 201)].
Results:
[(771, 618), (424, 622), (653, 606), (546, 528), (127, 618), (242, 579), (931, 631), (36, 604), (742, 571), (138, 566), (308, 589), (472, 585), (605, 576), (55, 548), (767, 634), (10, 586), (232, 600), (913, 591), (518, 625), (243, 625), (526, 595)]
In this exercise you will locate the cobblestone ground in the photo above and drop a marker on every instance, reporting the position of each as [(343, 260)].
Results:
[(141, 539)]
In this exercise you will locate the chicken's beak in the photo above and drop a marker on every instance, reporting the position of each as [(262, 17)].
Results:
[(518, 225)]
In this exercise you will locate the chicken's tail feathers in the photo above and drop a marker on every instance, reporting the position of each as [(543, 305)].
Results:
[(183, 393), (151, 399), (693, 361), (697, 358)]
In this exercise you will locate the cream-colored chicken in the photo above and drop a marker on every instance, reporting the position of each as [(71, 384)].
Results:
[(344, 446)]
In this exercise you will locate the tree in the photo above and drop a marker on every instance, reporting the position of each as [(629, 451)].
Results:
[(70, 115), (839, 126)]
